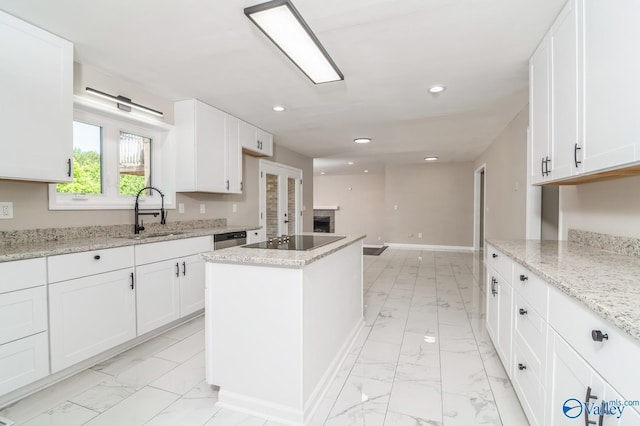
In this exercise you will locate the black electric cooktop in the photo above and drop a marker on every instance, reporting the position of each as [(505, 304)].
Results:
[(296, 242)]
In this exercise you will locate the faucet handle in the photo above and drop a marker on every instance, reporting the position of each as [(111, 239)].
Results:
[(141, 227)]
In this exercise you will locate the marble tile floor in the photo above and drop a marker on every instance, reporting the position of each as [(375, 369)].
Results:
[(423, 358)]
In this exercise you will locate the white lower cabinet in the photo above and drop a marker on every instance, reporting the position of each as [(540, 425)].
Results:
[(23, 361), (171, 282), (256, 236), (169, 290), (90, 315), (499, 314), (562, 372)]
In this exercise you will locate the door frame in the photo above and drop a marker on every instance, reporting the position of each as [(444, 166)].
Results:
[(477, 204), (283, 172)]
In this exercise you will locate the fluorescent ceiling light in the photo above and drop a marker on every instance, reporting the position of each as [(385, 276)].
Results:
[(437, 89), (350, 163), (284, 26), (366, 171), (278, 108), (430, 158), (123, 103), (321, 173), (362, 140)]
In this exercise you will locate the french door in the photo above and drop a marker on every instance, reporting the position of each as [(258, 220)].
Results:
[(280, 199)]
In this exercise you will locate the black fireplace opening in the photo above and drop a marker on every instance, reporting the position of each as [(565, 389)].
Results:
[(322, 224)]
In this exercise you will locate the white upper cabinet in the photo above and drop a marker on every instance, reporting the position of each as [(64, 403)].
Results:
[(209, 155), (585, 92), (539, 113), (36, 83), (611, 83), (255, 141), (566, 136)]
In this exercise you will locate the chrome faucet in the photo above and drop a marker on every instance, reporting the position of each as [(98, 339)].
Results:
[(138, 226)]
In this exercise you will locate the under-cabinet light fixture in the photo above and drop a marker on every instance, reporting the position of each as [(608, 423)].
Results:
[(284, 26), (437, 89), (279, 108), (123, 103), (430, 158)]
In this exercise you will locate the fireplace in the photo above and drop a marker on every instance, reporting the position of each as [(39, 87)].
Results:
[(324, 221), (321, 223)]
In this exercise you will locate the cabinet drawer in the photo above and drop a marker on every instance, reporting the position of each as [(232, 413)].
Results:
[(23, 361), (531, 328), (532, 288), (156, 252), (21, 274), (76, 265), (500, 262), (529, 381), (23, 313), (615, 359)]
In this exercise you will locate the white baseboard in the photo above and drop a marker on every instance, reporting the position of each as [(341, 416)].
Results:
[(402, 246)]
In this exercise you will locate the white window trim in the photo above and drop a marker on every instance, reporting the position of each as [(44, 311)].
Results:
[(162, 153)]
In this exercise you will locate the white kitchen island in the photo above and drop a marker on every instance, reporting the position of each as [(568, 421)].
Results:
[(279, 324)]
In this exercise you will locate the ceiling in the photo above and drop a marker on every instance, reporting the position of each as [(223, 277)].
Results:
[(390, 52)]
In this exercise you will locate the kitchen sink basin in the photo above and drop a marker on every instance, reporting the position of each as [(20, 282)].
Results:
[(152, 235)]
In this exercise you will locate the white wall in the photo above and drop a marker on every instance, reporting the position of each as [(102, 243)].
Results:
[(361, 203), (609, 207)]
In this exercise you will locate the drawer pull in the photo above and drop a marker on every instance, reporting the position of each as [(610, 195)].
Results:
[(523, 277), (132, 281), (522, 367), (599, 336), (494, 255), (523, 311), (96, 257)]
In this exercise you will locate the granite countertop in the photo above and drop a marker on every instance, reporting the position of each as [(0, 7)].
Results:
[(41, 248), (284, 258), (605, 282)]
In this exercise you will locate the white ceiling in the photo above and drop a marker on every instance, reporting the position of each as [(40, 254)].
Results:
[(390, 51)]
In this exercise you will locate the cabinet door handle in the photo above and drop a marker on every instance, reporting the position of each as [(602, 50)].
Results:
[(523, 278), (69, 167), (96, 257), (599, 336), (522, 367), (184, 268), (542, 166), (588, 398), (132, 281), (177, 269), (546, 164), (575, 155), (494, 290), (494, 255), (227, 184), (241, 186), (522, 311)]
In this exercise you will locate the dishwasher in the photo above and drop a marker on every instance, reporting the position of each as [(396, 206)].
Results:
[(229, 239)]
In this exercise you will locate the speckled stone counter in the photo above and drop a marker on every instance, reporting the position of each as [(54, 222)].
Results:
[(606, 282), (284, 258), (40, 243)]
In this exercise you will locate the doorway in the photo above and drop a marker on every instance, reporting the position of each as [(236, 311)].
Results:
[(280, 199), (479, 195)]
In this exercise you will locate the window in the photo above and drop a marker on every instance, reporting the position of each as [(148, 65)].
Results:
[(114, 157)]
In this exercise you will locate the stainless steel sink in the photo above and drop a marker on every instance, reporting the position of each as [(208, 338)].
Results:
[(152, 235)]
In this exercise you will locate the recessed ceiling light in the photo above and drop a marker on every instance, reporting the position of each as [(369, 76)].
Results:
[(362, 140), (350, 163), (366, 171), (321, 173), (430, 158), (278, 108), (437, 89)]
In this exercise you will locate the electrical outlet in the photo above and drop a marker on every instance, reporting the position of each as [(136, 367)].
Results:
[(180, 207), (203, 208), (419, 234), (395, 207), (6, 210), (234, 208)]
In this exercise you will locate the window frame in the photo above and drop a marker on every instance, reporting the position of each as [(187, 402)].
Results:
[(113, 122)]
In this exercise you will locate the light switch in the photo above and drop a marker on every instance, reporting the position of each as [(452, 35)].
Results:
[(203, 209), (180, 207), (234, 208)]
